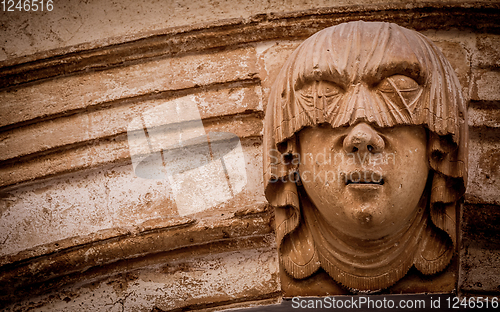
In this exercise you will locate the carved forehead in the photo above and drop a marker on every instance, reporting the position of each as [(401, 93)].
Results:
[(356, 51)]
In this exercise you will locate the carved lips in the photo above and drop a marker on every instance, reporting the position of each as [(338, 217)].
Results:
[(364, 178)]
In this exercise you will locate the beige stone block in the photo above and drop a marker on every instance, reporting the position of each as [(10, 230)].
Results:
[(457, 46), (458, 56), (79, 205), (483, 114), (74, 93), (480, 269), (48, 135), (479, 254), (488, 51), (484, 166), (271, 57), (113, 149), (229, 101), (486, 85), (207, 185)]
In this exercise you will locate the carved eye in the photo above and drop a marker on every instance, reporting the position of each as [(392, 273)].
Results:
[(398, 83), (401, 91), (307, 89), (320, 89), (327, 88)]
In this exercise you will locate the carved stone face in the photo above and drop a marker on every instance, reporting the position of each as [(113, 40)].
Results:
[(375, 116), (366, 182)]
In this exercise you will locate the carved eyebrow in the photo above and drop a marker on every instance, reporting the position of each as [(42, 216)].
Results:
[(406, 68), (373, 76), (331, 75)]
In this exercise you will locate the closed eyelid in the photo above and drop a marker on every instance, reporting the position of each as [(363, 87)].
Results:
[(401, 79), (398, 83), (321, 87)]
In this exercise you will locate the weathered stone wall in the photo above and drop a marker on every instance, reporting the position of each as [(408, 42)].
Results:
[(80, 231), (93, 23)]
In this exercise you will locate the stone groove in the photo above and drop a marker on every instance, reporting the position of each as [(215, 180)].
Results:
[(112, 149)]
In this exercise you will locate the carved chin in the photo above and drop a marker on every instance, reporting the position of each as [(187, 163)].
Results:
[(368, 220), (364, 219), (367, 212), (374, 220)]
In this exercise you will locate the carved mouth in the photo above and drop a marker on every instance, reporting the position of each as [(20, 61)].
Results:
[(381, 182), (364, 178)]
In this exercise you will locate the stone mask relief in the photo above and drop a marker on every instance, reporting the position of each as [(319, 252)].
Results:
[(365, 156)]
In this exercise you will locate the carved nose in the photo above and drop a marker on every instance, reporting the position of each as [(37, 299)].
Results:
[(363, 138)]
